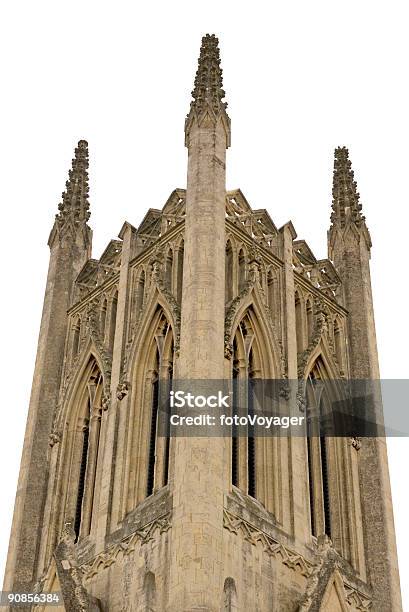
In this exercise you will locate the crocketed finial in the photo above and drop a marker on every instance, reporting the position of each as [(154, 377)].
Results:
[(74, 206), (345, 197), (208, 93), (208, 88)]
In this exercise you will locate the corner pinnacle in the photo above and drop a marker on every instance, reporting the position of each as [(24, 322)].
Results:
[(74, 206), (345, 197)]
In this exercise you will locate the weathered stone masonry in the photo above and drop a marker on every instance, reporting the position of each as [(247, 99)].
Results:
[(118, 518)]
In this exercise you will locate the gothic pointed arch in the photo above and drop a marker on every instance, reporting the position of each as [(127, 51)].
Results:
[(154, 300), (91, 348), (320, 342), (254, 299), (299, 320), (332, 461), (323, 353), (229, 272), (255, 356), (242, 268), (334, 597), (146, 453), (168, 273), (74, 482), (179, 253)]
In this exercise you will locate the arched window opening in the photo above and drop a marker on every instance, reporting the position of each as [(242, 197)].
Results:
[(167, 438), (251, 442), (310, 459), (139, 293), (338, 344), (169, 269), (325, 485), (180, 273), (146, 453), (229, 596), (310, 320), (88, 437), (246, 368), (298, 323), (112, 322), (153, 427), (271, 289), (242, 270), (103, 318), (229, 273), (234, 439), (160, 376), (317, 453), (76, 338), (81, 479)]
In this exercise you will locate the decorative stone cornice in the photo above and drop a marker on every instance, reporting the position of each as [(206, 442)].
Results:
[(357, 599), (272, 547), (127, 545)]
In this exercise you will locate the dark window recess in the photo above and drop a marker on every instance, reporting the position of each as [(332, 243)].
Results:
[(310, 482), (325, 485), (81, 482), (234, 440), (251, 446), (152, 443), (167, 439)]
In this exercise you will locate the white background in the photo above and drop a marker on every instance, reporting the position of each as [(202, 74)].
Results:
[(301, 78)]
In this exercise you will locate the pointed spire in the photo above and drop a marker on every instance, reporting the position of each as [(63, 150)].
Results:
[(208, 88), (74, 207), (208, 93), (345, 197)]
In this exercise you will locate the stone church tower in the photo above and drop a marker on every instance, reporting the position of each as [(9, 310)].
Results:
[(119, 518)]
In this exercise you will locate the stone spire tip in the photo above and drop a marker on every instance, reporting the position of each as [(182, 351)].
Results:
[(208, 85), (74, 206), (345, 197)]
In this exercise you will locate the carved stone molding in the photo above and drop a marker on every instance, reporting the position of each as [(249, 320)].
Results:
[(92, 331), (54, 437), (252, 534), (330, 562), (103, 353), (122, 389), (356, 442), (235, 305), (357, 599), (156, 263), (127, 545), (320, 328)]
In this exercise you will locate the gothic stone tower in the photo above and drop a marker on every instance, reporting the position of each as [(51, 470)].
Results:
[(120, 518)]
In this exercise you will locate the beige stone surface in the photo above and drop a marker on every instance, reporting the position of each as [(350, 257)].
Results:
[(206, 288)]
